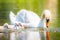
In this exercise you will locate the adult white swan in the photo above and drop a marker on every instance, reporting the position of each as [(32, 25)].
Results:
[(30, 19)]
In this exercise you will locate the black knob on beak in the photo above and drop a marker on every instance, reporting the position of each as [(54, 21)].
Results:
[(47, 22)]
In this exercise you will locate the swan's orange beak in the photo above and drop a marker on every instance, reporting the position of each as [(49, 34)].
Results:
[(47, 22)]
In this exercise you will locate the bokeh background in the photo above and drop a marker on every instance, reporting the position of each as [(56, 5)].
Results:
[(36, 6)]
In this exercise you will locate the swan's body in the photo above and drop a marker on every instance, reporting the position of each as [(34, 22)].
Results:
[(30, 19)]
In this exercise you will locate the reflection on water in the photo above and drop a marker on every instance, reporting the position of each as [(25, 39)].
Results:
[(18, 35), (29, 34), (3, 37)]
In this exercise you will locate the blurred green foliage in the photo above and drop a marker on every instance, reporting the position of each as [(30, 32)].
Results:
[(58, 13)]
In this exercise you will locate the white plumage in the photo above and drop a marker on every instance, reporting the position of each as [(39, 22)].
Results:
[(28, 18), (12, 17), (47, 14)]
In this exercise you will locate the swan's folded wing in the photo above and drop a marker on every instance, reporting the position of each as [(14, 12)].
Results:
[(12, 17)]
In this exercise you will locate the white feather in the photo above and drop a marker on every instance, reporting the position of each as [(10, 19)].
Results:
[(12, 17)]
